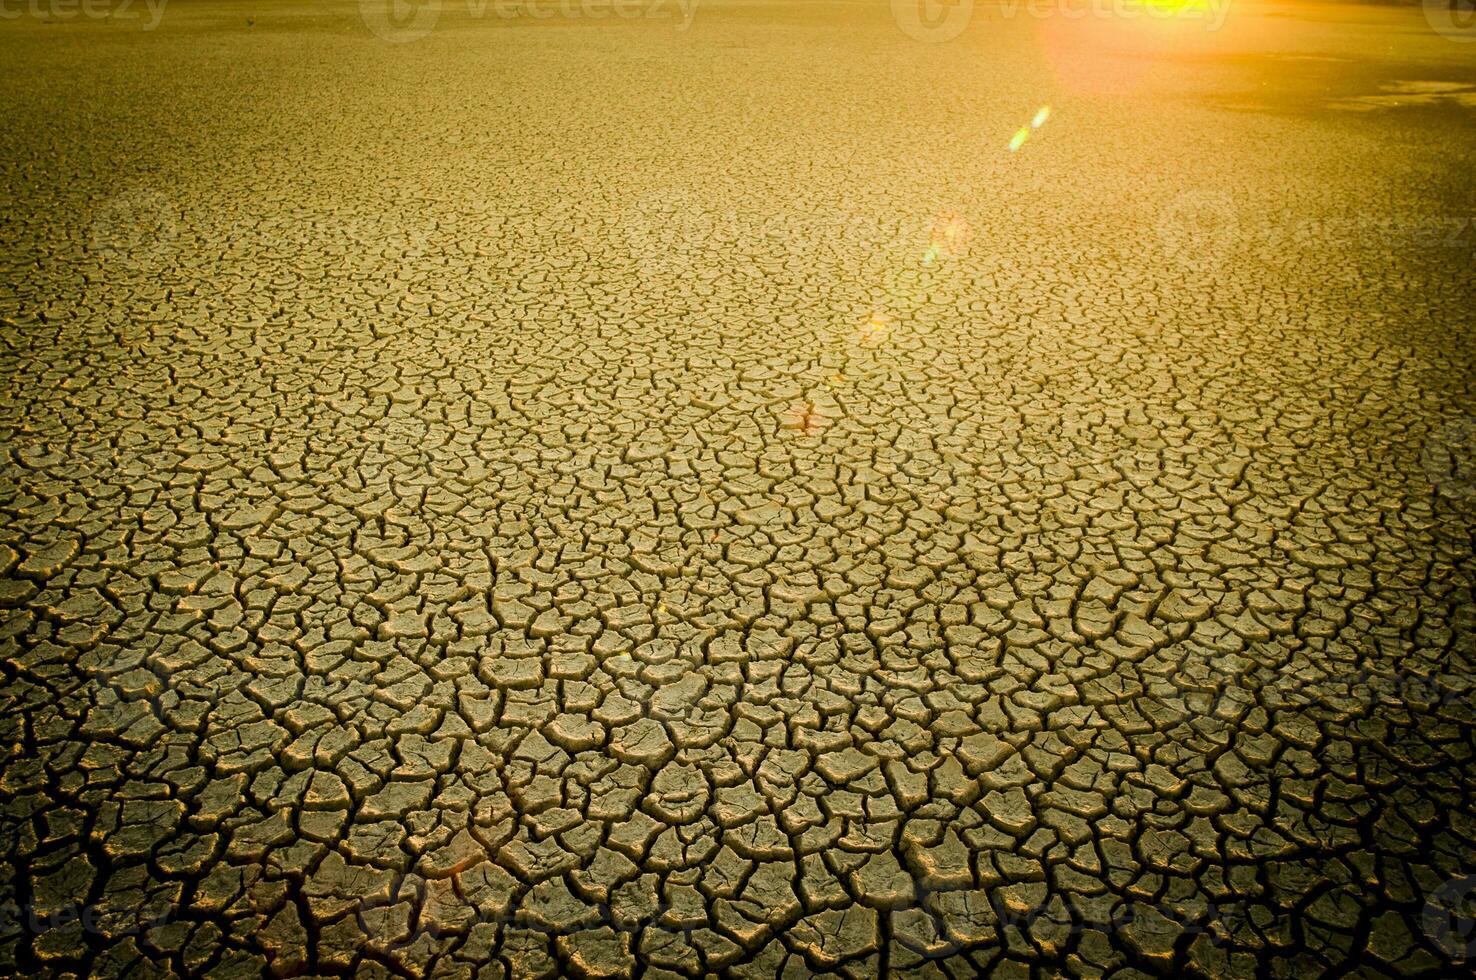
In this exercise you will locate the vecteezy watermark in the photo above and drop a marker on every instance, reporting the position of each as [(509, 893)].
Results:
[(135, 228), (140, 229), (1214, 11), (666, 237), (1449, 458), (1200, 228), (1449, 918), (1454, 232), (16, 919), (1201, 695), (401, 21), (1453, 19), (1219, 922), (942, 924), (931, 921), (935, 21), (151, 12)]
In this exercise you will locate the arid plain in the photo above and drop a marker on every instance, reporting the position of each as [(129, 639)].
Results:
[(736, 489)]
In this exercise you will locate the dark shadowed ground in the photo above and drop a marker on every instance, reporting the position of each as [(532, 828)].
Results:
[(571, 496)]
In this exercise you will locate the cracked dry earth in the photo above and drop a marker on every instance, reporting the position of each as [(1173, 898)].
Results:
[(575, 499)]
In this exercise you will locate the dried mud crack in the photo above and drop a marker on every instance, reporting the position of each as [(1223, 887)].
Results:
[(603, 501)]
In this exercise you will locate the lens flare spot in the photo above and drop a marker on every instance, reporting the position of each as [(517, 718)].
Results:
[(1178, 7), (948, 236), (1018, 140), (1041, 116), (874, 330)]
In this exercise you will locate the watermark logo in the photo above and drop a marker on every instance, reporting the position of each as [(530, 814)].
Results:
[(127, 699), (1198, 229), (151, 12), (1196, 693), (1449, 919), (1457, 232), (137, 228), (400, 918), (661, 232), (933, 21), (933, 922), (1214, 11), (1452, 19), (936, 21), (666, 235), (1449, 458), (400, 21), (126, 709), (37, 919)]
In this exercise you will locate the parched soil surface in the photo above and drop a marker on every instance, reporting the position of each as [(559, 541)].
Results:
[(588, 497)]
